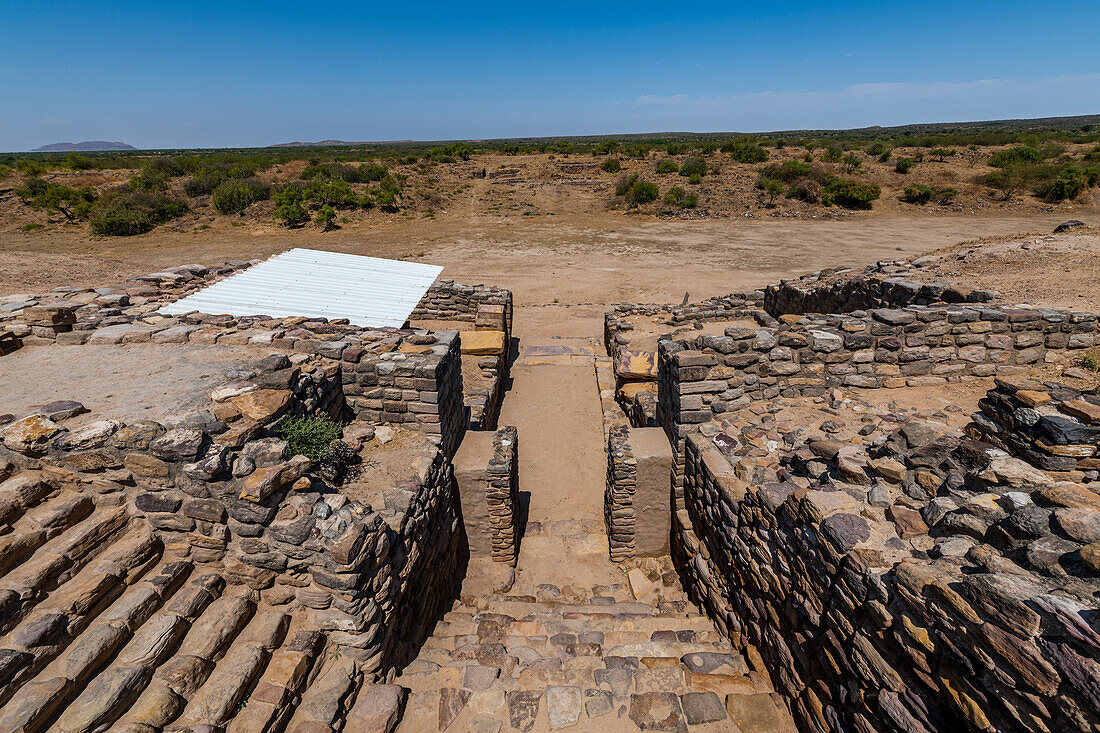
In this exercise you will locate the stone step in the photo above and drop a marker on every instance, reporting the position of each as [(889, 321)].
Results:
[(111, 693), (50, 564), (31, 706)]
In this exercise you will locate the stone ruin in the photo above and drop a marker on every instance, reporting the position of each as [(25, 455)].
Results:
[(880, 567), (135, 554), (908, 576)]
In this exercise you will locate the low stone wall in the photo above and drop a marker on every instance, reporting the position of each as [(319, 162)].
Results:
[(415, 383), (637, 497), (616, 322), (1052, 426), (449, 301), (828, 293), (807, 355), (487, 473), (820, 556), (219, 487)]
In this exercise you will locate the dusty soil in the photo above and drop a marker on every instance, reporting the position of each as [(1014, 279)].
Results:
[(1056, 270), (127, 383)]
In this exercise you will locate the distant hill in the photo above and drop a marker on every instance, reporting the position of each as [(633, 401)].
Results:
[(333, 144), (87, 146)]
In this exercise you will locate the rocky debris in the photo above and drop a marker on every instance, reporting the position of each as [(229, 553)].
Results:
[(1068, 226), (924, 540)]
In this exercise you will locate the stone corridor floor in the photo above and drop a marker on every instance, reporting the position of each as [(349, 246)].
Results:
[(577, 642)]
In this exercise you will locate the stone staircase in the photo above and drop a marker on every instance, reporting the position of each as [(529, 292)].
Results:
[(628, 656), (103, 628)]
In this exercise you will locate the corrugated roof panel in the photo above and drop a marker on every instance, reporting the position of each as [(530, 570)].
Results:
[(368, 291)]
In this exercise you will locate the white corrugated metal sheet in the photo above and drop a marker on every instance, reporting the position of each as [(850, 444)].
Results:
[(368, 291)]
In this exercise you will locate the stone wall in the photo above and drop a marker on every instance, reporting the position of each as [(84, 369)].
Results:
[(487, 474), (415, 382), (735, 306), (219, 487), (1050, 425), (807, 355), (820, 556), (822, 293), (637, 497), (449, 301)]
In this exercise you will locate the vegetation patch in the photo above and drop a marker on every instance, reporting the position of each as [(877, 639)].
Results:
[(311, 437), (127, 214)]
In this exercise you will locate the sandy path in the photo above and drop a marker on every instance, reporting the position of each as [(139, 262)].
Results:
[(562, 463)]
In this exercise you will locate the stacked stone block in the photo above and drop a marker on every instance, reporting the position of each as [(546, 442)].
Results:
[(487, 474), (637, 498), (418, 387), (819, 293), (864, 630), (1050, 425), (447, 300)]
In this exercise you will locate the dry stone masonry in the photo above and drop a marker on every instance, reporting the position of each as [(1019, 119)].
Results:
[(921, 578)]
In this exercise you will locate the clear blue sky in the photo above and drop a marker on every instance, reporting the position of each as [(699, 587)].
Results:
[(213, 74)]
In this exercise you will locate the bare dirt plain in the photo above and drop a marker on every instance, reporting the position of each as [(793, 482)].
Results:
[(571, 266)]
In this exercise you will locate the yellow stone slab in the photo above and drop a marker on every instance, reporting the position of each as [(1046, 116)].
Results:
[(482, 342)]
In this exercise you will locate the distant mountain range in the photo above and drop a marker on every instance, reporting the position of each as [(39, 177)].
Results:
[(88, 146)]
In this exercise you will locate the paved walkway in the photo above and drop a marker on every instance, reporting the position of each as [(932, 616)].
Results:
[(577, 643)]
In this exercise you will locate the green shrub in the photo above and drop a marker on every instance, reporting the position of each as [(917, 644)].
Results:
[(612, 165), (675, 148), (72, 203), (624, 183), (789, 170), (941, 153), (1005, 180), (291, 214), (667, 166), (233, 197), (162, 167), (806, 189), (336, 192), (745, 151), (884, 157), (1068, 184), (1090, 360), (78, 162), (1015, 156), (641, 192), (326, 215), (904, 165), (32, 226), (203, 184), (125, 215), (917, 194), (31, 168), (311, 437), (449, 153), (877, 148), (833, 154), (850, 194), (635, 151), (851, 162), (1092, 156), (693, 167), (605, 147), (771, 188), (677, 196)]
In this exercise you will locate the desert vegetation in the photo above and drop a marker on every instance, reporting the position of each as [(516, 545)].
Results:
[(925, 168)]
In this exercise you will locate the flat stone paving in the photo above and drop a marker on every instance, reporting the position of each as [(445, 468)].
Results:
[(122, 382)]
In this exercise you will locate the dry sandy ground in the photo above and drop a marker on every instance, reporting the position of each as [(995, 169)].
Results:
[(1060, 271), (127, 383), (585, 261)]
